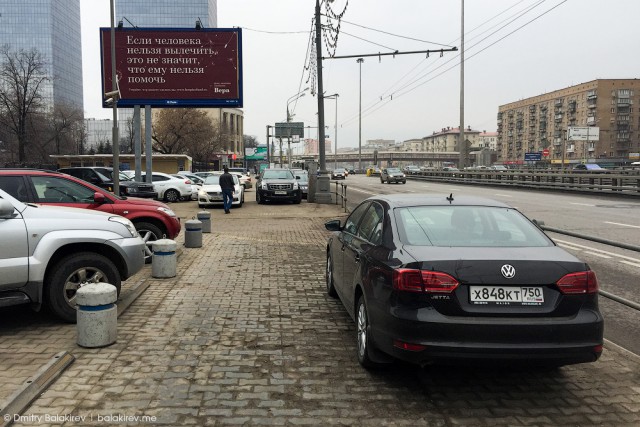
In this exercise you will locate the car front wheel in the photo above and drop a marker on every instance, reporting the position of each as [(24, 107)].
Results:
[(70, 274), (149, 233)]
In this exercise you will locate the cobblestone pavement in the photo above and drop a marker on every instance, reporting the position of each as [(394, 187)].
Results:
[(246, 335)]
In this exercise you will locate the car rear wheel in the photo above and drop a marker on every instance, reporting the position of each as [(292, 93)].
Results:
[(171, 195), (331, 290), (70, 274), (363, 336), (149, 233)]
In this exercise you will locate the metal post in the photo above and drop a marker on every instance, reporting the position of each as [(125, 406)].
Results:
[(462, 145), (324, 188), (137, 142), (114, 87), (268, 151), (360, 61), (147, 141), (335, 135)]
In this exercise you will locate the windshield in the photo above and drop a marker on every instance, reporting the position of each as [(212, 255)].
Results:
[(124, 177), (460, 226), (215, 180), (393, 170), (277, 174)]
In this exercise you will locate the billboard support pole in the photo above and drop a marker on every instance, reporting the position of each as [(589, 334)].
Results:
[(114, 87), (137, 141), (147, 141)]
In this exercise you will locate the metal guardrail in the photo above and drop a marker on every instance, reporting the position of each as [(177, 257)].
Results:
[(605, 294), (625, 183), (342, 195)]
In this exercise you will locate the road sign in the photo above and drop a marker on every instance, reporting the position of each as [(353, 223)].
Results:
[(532, 157), (588, 133), (289, 129), (545, 152)]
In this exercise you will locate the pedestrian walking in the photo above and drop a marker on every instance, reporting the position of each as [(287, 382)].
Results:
[(227, 186)]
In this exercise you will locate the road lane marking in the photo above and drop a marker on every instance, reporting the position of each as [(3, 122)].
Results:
[(598, 250), (634, 264), (624, 225), (562, 245), (582, 204), (597, 254), (504, 195)]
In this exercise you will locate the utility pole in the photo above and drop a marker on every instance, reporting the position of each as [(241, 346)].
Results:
[(360, 61), (462, 145), (323, 194)]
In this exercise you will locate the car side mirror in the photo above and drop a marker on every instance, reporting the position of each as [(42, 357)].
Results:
[(538, 223), (333, 225), (99, 198), (6, 209)]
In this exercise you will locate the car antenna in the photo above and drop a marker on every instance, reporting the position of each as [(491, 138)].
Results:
[(450, 198)]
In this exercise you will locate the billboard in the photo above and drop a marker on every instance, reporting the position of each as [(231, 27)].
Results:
[(174, 67), (256, 153), (588, 133), (532, 157)]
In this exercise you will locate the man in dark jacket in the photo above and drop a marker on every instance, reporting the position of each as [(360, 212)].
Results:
[(227, 185)]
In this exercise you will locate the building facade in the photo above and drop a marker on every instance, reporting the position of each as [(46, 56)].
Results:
[(540, 123), (446, 141), (52, 27)]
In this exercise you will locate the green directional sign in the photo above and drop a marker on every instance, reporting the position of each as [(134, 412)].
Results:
[(257, 153), (289, 129)]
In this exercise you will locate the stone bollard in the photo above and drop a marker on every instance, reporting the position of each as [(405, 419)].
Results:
[(97, 316), (205, 218), (164, 260), (193, 234)]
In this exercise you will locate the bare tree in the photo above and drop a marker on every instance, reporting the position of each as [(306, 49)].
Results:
[(22, 75), (186, 131), (250, 141)]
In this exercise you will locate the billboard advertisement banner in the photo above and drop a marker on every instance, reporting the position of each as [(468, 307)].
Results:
[(174, 67), (257, 153), (289, 129)]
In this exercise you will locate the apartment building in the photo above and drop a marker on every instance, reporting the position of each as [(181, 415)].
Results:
[(538, 123)]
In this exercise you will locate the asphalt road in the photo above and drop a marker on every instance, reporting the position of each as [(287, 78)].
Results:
[(607, 217)]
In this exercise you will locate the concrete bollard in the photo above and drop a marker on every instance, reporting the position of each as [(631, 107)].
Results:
[(164, 260), (97, 316), (205, 218), (193, 234)]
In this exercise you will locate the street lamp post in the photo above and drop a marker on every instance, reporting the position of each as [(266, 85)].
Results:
[(335, 131), (360, 61), (289, 117)]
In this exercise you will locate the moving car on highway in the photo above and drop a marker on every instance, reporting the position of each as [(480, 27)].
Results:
[(436, 278)]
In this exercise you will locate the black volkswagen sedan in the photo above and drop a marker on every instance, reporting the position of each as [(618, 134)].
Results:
[(437, 278)]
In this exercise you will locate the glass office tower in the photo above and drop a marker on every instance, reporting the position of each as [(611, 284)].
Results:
[(53, 28), (167, 13)]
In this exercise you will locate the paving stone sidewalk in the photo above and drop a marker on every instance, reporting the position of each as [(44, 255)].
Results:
[(246, 335)]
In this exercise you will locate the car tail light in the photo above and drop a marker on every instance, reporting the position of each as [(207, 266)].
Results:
[(584, 282), (188, 182), (411, 280), (408, 346)]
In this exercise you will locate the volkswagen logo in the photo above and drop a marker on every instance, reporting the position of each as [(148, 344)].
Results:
[(508, 271)]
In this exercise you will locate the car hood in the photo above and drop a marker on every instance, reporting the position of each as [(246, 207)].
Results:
[(538, 265), (145, 202)]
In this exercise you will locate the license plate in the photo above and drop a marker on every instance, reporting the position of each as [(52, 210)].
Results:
[(506, 295), (280, 192), (215, 197)]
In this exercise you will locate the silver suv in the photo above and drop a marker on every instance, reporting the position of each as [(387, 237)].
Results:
[(53, 251)]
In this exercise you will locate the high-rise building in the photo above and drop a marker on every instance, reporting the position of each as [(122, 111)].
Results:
[(539, 124), (167, 13), (52, 27)]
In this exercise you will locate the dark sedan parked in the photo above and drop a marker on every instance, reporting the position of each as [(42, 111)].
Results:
[(435, 279)]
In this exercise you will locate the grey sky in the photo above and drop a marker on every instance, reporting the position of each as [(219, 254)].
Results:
[(410, 96)]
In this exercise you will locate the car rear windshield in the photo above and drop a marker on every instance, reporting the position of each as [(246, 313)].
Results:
[(467, 226)]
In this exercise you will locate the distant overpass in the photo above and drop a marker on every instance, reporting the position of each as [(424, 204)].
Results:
[(384, 157)]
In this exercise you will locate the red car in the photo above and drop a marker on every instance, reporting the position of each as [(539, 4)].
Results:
[(153, 219)]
